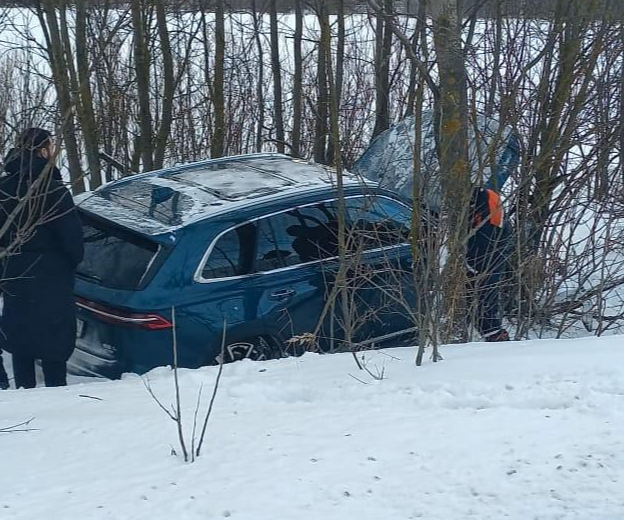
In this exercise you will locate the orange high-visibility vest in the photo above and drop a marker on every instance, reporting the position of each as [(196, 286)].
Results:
[(497, 213)]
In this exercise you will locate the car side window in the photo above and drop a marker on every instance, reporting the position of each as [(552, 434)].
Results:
[(307, 234), (377, 222), (298, 236), (232, 255)]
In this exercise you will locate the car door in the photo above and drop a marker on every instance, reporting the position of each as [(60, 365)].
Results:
[(380, 278), (297, 255), (227, 295)]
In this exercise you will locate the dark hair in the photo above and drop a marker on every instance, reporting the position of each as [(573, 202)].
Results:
[(34, 139)]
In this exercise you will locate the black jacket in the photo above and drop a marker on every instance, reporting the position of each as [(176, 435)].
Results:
[(45, 245)]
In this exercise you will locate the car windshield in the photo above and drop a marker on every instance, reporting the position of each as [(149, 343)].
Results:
[(116, 258)]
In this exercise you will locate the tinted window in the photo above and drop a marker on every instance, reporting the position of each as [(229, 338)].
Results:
[(305, 235), (116, 258), (296, 237), (377, 222), (232, 255)]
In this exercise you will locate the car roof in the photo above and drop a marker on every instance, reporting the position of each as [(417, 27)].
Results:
[(163, 201)]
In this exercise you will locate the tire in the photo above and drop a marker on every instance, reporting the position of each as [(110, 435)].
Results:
[(256, 349)]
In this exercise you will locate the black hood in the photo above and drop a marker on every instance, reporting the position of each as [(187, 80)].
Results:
[(26, 163)]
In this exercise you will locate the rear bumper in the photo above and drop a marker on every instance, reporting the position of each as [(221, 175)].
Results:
[(91, 363)]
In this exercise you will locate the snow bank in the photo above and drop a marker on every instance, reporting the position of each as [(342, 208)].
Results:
[(521, 431)]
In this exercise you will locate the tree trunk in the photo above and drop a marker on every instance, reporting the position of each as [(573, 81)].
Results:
[(169, 86), (218, 99), (49, 23), (142, 66), (277, 78), (495, 79), (419, 40), (556, 138), (341, 283), (339, 74), (322, 108), (298, 80), (452, 137), (452, 107), (208, 100), (340, 52), (89, 125), (382, 69), (257, 16)]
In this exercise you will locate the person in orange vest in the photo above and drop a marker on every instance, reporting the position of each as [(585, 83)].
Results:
[(485, 261)]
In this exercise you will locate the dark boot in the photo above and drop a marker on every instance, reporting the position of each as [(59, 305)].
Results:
[(54, 372), (24, 371), (4, 378)]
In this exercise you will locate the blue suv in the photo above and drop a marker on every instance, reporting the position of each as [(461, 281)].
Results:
[(242, 253)]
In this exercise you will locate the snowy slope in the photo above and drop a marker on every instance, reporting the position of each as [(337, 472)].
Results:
[(520, 431)]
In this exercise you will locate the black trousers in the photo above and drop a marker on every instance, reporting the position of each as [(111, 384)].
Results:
[(54, 372), (4, 378), (484, 294)]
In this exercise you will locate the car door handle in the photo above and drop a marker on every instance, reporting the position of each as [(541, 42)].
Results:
[(282, 295)]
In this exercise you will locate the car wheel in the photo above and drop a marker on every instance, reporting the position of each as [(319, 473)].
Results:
[(257, 349)]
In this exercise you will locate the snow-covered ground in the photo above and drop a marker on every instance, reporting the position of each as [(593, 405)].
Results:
[(522, 431)]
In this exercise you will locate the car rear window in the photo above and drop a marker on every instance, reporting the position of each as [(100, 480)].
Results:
[(116, 258)]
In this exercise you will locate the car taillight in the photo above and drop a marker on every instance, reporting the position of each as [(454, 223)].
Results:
[(149, 321)]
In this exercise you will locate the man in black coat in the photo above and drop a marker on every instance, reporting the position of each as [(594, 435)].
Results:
[(485, 259), (41, 237)]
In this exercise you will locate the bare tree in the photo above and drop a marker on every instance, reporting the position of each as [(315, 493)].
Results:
[(383, 52), (169, 82), (323, 99), (141, 35), (298, 79), (277, 77), (57, 52), (218, 136), (175, 412), (85, 97)]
